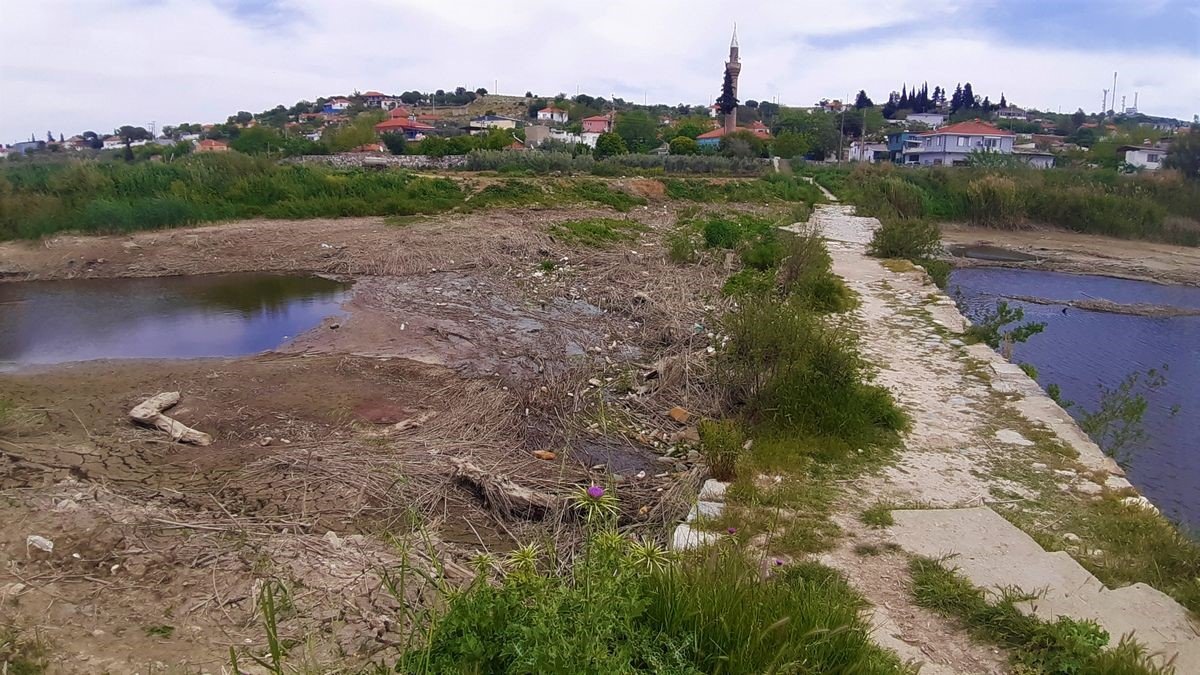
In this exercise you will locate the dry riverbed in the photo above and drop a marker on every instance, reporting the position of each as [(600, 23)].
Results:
[(1064, 251), (478, 337)]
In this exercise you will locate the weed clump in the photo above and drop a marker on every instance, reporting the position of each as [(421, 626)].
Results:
[(721, 443), (597, 232)]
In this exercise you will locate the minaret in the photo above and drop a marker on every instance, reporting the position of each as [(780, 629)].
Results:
[(733, 66)]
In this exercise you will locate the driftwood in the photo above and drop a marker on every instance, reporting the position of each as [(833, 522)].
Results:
[(502, 495), (149, 413)]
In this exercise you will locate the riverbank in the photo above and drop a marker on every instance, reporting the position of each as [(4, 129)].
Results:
[(1060, 250), (986, 436)]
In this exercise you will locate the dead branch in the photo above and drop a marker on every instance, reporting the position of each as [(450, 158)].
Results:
[(149, 413)]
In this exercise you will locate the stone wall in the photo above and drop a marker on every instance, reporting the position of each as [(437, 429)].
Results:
[(358, 160)]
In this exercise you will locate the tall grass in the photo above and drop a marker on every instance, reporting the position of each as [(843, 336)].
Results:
[(536, 163), (771, 188), (1162, 208), (94, 197)]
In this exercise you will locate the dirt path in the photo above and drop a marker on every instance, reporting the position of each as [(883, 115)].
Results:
[(1065, 251), (973, 417)]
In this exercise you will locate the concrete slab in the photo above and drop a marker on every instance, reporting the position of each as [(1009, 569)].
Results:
[(713, 491), (992, 553), (705, 510), (686, 538)]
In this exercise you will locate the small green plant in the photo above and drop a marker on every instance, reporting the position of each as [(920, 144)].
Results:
[(597, 232), (988, 326), (1029, 369), (20, 653), (1063, 646), (1117, 423), (162, 631), (548, 265), (681, 247), (878, 515), (721, 444)]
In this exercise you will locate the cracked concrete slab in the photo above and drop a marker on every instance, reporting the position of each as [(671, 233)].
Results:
[(994, 554)]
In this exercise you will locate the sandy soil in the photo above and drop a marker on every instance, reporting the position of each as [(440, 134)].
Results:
[(1065, 251), (458, 344)]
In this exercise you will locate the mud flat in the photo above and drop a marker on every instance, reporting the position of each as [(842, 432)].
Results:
[(1065, 251), (479, 337)]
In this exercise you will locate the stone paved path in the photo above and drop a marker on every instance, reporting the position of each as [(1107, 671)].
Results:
[(963, 401)]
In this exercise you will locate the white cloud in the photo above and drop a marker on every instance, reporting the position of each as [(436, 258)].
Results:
[(101, 63)]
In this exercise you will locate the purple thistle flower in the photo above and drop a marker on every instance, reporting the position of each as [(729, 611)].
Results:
[(732, 530), (778, 562), (595, 492)]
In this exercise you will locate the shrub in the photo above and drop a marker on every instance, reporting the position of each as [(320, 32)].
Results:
[(681, 248), (987, 326), (791, 370), (601, 193), (993, 201), (906, 239), (806, 274)]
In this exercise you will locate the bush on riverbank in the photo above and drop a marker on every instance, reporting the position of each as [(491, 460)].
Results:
[(1157, 207)]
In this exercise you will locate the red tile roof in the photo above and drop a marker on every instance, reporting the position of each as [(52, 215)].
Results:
[(970, 128), (209, 143), (715, 133), (596, 118), (552, 109), (373, 93), (398, 111)]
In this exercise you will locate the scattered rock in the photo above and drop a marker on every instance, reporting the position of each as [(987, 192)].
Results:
[(595, 383), (39, 542), (1071, 538), (335, 326), (1039, 466), (705, 510), (689, 435), (1065, 473), (1140, 502), (265, 441), (679, 414), (1087, 487), (685, 538), (1012, 438), (713, 491), (333, 539), (545, 454), (640, 475)]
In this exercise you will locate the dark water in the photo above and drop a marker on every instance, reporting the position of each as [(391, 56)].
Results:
[(47, 322), (1081, 349)]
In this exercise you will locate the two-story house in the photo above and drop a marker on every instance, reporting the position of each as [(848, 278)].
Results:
[(954, 143), (599, 124)]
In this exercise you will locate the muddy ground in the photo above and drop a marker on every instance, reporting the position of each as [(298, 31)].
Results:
[(461, 343), (1064, 251)]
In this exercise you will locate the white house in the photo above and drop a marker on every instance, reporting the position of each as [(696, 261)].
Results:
[(867, 152), (552, 114), (933, 120), (1143, 157), (484, 122), (1011, 113)]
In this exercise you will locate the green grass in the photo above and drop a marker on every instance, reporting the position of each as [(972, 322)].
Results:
[(771, 188), (597, 232), (161, 631), (627, 608), (1063, 646), (878, 515), (721, 445), (600, 193)]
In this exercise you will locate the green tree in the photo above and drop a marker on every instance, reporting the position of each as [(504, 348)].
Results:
[(257, 140), (396, 143), (610, 144), (360, 131), (638, 129), (727, 102), (1185, 155), (128, 135), (816, 128), (862, 100), (682, 145), (790, 145), (742, 143)]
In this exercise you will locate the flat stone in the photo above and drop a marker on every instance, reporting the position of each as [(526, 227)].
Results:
[(1140, 502), (705, 510), (679, 414), (1012, 438), (1005, 368), (686, 538), (713, 491)]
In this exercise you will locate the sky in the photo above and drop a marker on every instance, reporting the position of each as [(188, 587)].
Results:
[(67, 66)]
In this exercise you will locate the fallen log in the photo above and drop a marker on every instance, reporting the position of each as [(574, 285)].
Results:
[(502, 495), (150, 413)]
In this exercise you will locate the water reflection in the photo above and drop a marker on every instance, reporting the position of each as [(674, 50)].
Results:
[(1081, 349), (166, 317)]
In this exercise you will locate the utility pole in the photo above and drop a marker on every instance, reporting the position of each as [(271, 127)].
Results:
[(1114, 96), (842, 133)]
